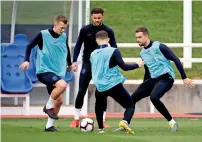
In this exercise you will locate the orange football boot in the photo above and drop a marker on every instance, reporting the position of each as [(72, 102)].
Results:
[(74, 124), (105, 124)]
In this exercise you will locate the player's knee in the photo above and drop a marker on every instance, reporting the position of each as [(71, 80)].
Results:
[(133, 106), (61, 84), (154, 98), (134, 99)]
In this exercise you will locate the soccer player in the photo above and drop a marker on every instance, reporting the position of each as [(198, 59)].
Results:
[(159, 73), (87, 36), (109, 81), (53, 59)]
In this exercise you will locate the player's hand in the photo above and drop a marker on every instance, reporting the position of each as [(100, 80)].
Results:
[(140, 63), (74, 66), (69, 68), (188, 83), (24, 65)]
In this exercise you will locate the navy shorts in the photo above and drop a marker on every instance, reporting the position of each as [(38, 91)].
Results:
[(49, 79)]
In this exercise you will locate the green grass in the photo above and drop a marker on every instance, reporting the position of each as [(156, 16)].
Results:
[(146, 130), (164, 20)]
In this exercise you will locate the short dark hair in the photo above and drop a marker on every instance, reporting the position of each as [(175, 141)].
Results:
[(97, 11), (142, 29), (101, 35), (61, 18)]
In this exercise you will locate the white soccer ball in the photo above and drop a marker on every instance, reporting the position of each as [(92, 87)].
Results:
[(87, 125)]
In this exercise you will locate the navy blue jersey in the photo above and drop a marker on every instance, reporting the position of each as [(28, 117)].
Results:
[(87, 36)]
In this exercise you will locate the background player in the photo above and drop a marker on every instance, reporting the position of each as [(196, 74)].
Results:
[(87, 36)]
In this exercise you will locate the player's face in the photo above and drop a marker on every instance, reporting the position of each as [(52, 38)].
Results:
[(60, 27), (141, 38), (97, 19)]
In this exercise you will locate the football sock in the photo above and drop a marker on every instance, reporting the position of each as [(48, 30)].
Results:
[(172, 121), (49, 123), (77, 114), (50, 103), (104, 115)]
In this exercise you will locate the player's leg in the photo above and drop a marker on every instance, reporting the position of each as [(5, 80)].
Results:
[(58, 104), (100, 102), (50, 122), (120, 95), (84, 79), (51, 79), (143, 90), (106, 125), (60, 87), (161, 87)]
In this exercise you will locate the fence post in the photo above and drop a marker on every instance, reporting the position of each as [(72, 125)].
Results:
[(187, 32)]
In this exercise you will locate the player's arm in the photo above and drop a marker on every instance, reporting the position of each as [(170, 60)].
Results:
[(147, 73), (77, 49), (112, 40), (171, 56), (78, 45), (32, 44), (36, 41), (69, 62), (119, 61)]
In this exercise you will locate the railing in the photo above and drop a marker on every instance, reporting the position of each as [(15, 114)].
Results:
[(170, 45), (134, 45), (186, 53)]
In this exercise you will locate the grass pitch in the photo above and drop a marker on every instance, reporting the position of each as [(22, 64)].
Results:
[(146, 130)]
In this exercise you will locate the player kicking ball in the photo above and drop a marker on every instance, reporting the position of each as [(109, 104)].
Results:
[(53, 59), (108, 80)]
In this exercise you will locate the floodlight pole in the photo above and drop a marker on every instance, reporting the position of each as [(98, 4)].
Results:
[(87, 12), (13, 20)]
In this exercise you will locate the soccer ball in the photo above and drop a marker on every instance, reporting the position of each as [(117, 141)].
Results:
[(87, 125)]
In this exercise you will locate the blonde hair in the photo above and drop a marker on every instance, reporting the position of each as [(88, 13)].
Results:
[(61, 18)]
